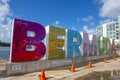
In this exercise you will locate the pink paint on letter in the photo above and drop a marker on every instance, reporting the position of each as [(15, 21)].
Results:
[(26, 43)]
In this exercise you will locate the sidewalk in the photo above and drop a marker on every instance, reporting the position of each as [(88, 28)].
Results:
[(65, 74)]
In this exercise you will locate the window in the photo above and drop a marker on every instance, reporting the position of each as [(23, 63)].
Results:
[(113, 26), (107, 32), (116, 23), (110, 32), (110, 27), (116, 26), (114, 36), (113, 32)]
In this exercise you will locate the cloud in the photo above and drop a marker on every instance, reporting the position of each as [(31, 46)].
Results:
[(92, 23), (105, 21), (109, 8), (89, 31), (1, 35), (56, 23), (5, 20), (87, 19), (73, 28)]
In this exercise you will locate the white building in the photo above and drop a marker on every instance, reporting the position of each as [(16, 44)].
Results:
[(110, 30)]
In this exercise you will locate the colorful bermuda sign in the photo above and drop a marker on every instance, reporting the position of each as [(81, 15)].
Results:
[(31, 41)]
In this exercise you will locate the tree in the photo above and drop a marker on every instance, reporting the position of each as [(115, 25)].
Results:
[(4, 44)]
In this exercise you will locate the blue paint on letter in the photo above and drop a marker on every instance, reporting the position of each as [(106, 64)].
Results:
[(74, 41)]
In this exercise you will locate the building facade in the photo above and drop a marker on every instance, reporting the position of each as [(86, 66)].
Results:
[(110, 30)]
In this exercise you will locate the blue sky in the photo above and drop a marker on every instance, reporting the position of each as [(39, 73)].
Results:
[(79, 15)]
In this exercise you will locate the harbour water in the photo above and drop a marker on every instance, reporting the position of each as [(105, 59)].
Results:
[(4, 53)]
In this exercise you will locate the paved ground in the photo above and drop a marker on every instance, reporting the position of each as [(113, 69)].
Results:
[(64, 72)]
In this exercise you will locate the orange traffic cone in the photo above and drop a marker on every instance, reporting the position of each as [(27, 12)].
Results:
[(114, 58), (72, 68), (90, 64), (42, 77), (105, 60)]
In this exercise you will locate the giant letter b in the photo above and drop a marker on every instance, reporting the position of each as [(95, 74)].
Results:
[(26, 43)]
